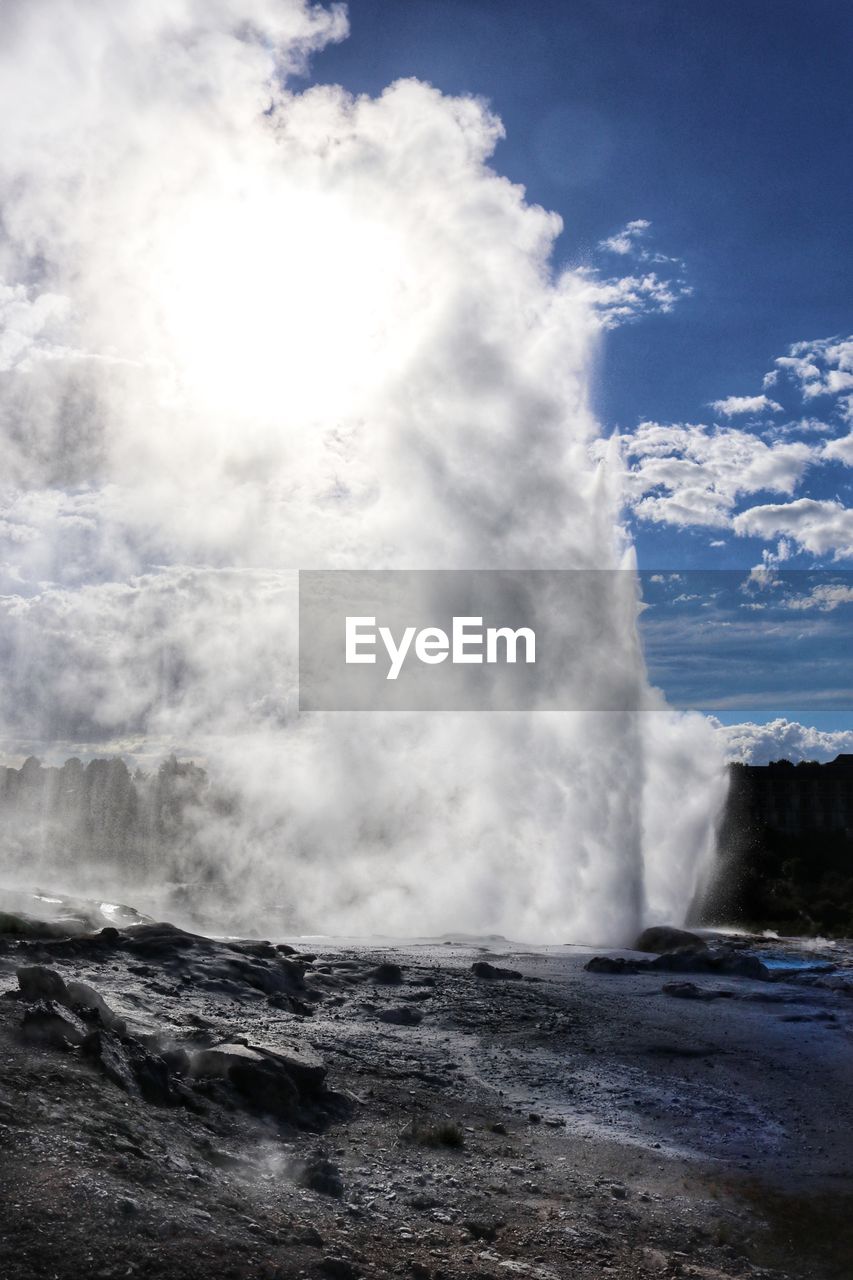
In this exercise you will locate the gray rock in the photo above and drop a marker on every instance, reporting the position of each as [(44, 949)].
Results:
[(664, 938), (401, 1016), (303, 1066), (49, 1023), (285, 977), (271, 1080), (742, 966), (483, 1229), (254, 947), (728, 963), (134, 1068), (388, 974), (610, 964), (161, 941), (308, 1235), (108, 1052), (482, 969), (85, 998), (38, 983)]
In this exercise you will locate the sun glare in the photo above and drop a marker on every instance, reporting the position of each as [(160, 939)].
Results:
[(279, 311)]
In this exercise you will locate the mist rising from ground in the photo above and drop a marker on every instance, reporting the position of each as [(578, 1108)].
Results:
[(247, 330)]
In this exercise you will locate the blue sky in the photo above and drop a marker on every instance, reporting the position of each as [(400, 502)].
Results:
[(751, 647), (725, 124), (707, 143)]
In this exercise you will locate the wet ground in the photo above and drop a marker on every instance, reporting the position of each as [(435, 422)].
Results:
[(553, 1123)]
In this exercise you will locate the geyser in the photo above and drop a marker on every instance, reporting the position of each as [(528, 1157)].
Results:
[(249, 330)]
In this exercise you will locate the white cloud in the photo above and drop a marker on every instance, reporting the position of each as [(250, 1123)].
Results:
[(694, 475), (620, 300), (25, 322), (822, 366), (147, 654), (840, 450), (781, 740), (734, 405), (625, 241), (825, 598), (631, 240), (797, 427), (820, 527)]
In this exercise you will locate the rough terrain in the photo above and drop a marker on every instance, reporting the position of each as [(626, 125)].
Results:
[(177, 1106)]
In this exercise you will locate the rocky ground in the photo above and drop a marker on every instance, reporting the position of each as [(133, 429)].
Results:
[(177, 1106)]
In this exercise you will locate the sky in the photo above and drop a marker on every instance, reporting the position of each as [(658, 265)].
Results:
[(707, 146), (724, 125), (581, 264)]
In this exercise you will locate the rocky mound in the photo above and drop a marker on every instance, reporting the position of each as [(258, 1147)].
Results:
[(285, 1081)]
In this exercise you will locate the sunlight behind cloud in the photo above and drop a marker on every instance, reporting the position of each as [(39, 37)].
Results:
[(313, 330), (277, 305)]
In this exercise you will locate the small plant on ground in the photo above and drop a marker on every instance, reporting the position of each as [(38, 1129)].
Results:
[(433, 1133)]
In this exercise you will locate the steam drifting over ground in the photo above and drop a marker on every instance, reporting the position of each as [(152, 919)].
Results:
[(247, 330)]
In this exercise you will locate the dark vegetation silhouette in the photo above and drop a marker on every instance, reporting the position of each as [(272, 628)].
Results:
[(785, 849)]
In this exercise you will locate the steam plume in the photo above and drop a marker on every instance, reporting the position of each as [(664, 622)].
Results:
[(248, 330)]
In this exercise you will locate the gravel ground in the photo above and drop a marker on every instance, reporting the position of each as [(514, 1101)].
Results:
[(555, 1123)]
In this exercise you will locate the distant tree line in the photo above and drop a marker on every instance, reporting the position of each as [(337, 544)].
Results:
[(100, 812)]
